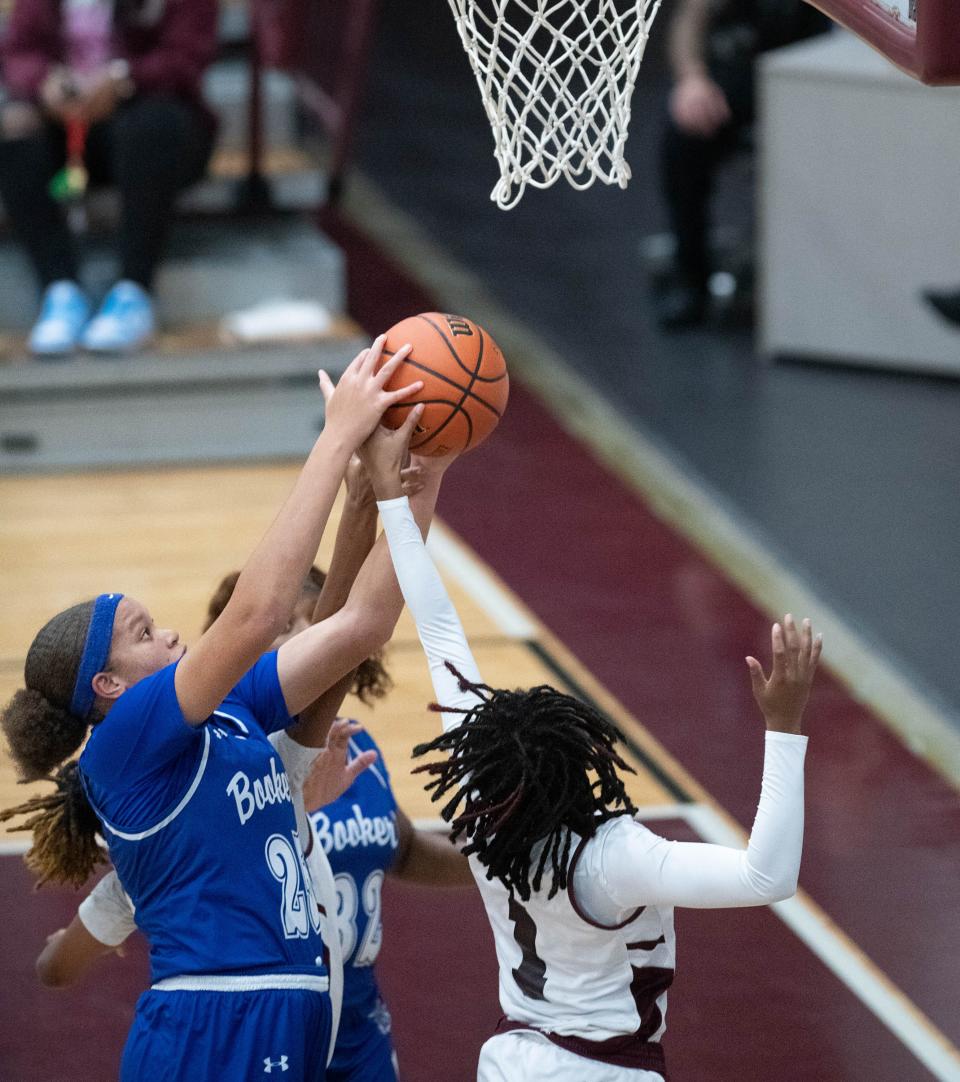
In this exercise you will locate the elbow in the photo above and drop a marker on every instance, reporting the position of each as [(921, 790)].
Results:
[(370, 627), (784, 890), (779, 889), (768, 886), (50, 975)]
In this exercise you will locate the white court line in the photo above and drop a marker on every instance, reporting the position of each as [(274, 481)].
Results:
[(14, 846), (879, 995), (801, 914), (479, 584)]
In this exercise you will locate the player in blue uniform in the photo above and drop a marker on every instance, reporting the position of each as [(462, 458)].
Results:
[(363, 833), (188, 793)]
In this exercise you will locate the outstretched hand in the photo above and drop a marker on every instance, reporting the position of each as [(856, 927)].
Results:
[(360, 492), (354, 407), (385, 453), (782, 697), (330, 774)]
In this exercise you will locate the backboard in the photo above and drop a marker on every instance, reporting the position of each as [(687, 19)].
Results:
[(922, 37)]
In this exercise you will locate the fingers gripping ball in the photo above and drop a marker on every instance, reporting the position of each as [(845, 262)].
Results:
[(465, 382)]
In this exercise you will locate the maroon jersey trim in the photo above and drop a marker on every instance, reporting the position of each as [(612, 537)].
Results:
[(630, 1050), (572, 895)]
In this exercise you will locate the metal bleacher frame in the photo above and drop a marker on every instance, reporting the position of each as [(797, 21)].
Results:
[(325, 46)]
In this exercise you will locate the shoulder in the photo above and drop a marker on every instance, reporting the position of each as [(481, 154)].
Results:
[(259, 691), (610, 841), (153, 695)]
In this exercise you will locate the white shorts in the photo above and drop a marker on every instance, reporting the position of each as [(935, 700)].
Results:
[(523, 1056)]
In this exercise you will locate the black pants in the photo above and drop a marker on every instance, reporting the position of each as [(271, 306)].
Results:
[(150, 149), (689, 165)]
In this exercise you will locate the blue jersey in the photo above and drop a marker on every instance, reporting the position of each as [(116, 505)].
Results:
[(201, 829), (358, 833)]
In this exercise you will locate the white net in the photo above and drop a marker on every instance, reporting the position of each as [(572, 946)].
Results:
[(556, 77)]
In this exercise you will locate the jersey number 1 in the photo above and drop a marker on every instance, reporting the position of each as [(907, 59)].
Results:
[(531, 974)]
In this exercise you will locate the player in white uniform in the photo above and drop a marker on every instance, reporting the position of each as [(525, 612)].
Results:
[(579, 894)]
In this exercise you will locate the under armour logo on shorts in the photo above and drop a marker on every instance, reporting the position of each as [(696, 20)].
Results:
[(269, 1064)]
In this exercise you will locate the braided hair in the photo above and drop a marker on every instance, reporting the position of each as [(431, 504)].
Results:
[(42, 731), (524, 772), (65, 847)]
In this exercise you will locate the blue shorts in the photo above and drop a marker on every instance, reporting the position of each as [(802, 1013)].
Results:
[(364, 1050), (210, 1036)]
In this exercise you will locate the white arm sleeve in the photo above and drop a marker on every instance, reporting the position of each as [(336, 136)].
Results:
[(631, 866), (107, 912), (297, 761), (438, 625)]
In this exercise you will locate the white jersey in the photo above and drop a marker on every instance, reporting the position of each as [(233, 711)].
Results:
[(562, 971), (589, 968)]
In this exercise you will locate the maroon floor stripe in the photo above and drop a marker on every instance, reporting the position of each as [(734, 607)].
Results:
[(667, 633), (439, 976)]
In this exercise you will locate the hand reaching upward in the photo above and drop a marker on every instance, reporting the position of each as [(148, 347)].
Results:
[(354, 407), (782, 697)]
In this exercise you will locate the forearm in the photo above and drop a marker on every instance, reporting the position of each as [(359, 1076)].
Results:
[(313, 661), (687, 39), (68, 955), (273, 576), (356, 536), (438, 624), (713, 876), (433, 860), (376, 591)]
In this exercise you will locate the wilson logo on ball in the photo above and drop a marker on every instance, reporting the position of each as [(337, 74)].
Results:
[(465, 381)]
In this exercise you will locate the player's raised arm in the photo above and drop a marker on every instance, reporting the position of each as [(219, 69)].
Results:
[(637, 867), (269, 584), (438, 625)]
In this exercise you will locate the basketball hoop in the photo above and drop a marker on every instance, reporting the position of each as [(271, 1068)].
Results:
[(556, 78)]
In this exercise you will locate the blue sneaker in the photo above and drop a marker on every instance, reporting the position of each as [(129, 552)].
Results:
[(124, 323), (63, 316)]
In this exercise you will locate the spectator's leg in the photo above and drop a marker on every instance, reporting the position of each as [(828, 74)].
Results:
[(31, 152), (158, 147), (688, 163), (153, 147)]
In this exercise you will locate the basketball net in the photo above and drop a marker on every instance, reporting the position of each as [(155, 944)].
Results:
[(556, 78)]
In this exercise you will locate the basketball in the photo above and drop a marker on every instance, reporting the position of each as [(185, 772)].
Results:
[(465, 382)]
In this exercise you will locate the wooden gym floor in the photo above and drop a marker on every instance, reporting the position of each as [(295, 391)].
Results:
[(167, 538)]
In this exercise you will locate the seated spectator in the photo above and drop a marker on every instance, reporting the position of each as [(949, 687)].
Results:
[(713, 45), (127, 73)]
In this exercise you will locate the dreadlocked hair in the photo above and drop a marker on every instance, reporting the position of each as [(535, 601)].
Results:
[(65, 847), (371, 680), (525, 768)]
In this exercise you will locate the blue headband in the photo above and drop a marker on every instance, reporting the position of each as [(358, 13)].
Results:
[(96, 650)]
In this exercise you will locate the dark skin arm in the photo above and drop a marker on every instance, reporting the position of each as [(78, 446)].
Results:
[(428, 857), (356, 536), (68, 955)]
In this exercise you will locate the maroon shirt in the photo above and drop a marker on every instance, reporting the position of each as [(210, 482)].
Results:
[(166, 56)]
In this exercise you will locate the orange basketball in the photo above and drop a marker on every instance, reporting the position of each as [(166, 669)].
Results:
[(465, 382)]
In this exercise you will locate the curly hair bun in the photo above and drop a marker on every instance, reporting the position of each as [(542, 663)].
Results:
[(40, 734)]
